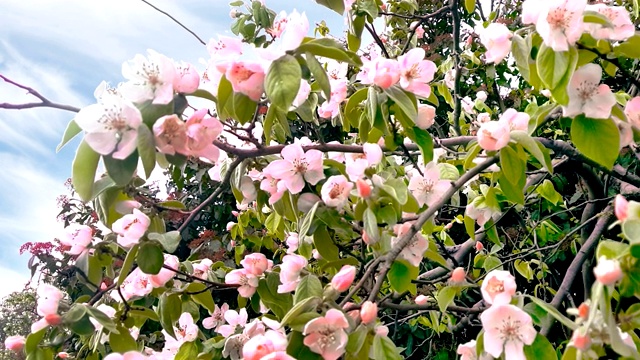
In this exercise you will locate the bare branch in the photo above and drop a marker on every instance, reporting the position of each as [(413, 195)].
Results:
[(44, 102), (176, 21)]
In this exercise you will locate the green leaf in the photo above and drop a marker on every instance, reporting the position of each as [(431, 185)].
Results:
[(202, 295), (371, 224), (121, 171), (552, 66), (280, 304), (83, 170), (33, 340), (613, 249), (372, 104), (310, 286), (445, 297), (169, 311), (150, 258), (305, 225), (173, 204), (283, 81), (524, 269), (406, 103), (541, 348), (225, 94), (204, 94), (470, 6), (511, 165), (146, 149), (335, 5), (629, 48), (513, 192), (122, 341), (325, 245), (187, 351), (385, 349), (319, 75), (401, 276), (128, 264), (242, 107), (80, 325), (547, 191), (553, 312), (69, 133), (169, 241), (534, 148), (597, 139), (329, 48), (304, 309), (425, 143)]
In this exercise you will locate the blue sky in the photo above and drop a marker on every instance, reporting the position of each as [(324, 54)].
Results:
[(64, 49)]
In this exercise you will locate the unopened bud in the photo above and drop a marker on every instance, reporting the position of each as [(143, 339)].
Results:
[(364, 189), (458, 274), (368, 312)]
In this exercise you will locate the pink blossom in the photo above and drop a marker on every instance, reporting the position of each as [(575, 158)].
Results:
[(560, 23), (170, 134), (632, 111), (217, 318), (414, 251), (498, 287), (621, 26), (225, 47), (129, 355), (530, 11), (201, 269), (493, 135), (246, 77), (131, 227), (261, 345), (290, 270), (293, 241), (468, 105), (608, 272), (587, 96), (380, 71), (516, 120), (480, 212), (111, 126), (161, 278), (331, 107), (279, 24), (364, 189), (418, 29), (47, 306), (186, 331), (256, 263), (150, 78), (297, 27), (426, 116), (368, 312), (581, 340), (186, 79), (467, 351), (497, 39), (416, 73), (303, 93), (137, 284), (326, 336), (15, 343), (507, 329), (621, 207), (458, 275), (421, 300), (428, 189), (247, 281), (626, 132), (335, 191), (481, 96), (126, 206), (234, 319), (278, 355), (202, 130), (296, 167), (76, 238), (344, 278), (357, 163), (274, 187)]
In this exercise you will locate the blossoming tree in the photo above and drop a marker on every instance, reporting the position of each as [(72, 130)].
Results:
[(451, 183)]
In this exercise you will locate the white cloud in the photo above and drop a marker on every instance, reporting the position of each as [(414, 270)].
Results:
[(11, 281)]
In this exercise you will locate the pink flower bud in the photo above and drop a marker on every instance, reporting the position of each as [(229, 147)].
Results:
[(621, 207), (457, 275), (53, 319), (583, 311), (422, 300), (15, 343), (608, 272), (316, 254), (368, 312), (382, 330), (493, 135), (364, 189), (426, 116), (62, 355), (344, 278), (581, 341), (235, 213), (230, 225), (366, 238), (479, 246)]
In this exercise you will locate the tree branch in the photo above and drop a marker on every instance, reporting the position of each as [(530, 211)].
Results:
[(176, 21), (44, 102)]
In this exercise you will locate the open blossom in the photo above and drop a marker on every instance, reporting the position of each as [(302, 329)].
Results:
[(162, 277), (344, 278), (150, 78), (428, 189), (217, 318), (380, 71), (234, 319), (262, 345), (497, 39), (186, 331), (296, 28), (274, 187), (201, 269), (494, 135), (507, 329), (608, 272), (587, 96), (632, 111), (416, 73), (335, 191), (137, 284), (290, 270), (76, 238), (247, 281), (111, 126), (256, 263), (201, 130), (621, 26), (621, 207), (170, 134), (131, 227), (498, 287), (15, 343), (516, 120), (47, 306), (246, 77), (559, 22), (186, 79), (480, 212), (414, 251), (426, 116), (296, 166), (331, 107), (326, 336), (293, 241), (357, 163), (467, 351), (129, 355)]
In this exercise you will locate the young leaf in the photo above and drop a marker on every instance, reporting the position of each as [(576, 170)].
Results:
[(597, 139), (69, 133), (146, 149), (283, 81), (150, 258), (83, 170)]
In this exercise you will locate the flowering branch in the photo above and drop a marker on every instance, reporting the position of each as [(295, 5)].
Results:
[(44, 102)]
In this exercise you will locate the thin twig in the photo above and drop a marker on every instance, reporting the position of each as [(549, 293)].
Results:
[(44, 102), (176, 21)]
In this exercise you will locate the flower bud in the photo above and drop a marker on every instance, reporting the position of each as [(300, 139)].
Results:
[(15, 343), (364, 189), (581, 341), (53, 319), (368, 312), (621, 207), (421, 300), (607, 272), (479, 246), (583, 311), (62, 355), (316, 254), (234, 13), (344, 278), (458, 274), (230, 225)]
